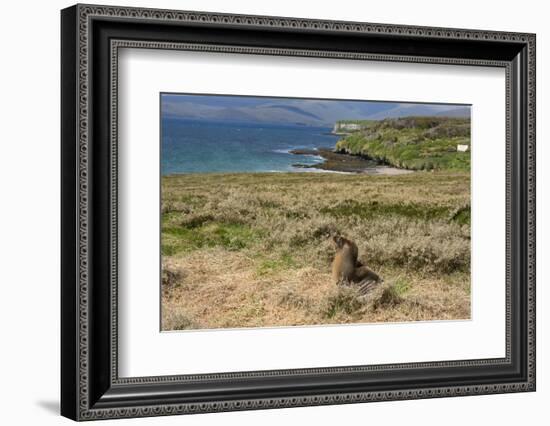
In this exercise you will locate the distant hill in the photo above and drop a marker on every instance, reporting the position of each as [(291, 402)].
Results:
[(417, 143), (408, 110), (309, 112), (457, 112)]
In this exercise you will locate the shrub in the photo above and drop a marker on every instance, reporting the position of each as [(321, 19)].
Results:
[(174, 318), (388, 296), (346, 300), (171, 276)]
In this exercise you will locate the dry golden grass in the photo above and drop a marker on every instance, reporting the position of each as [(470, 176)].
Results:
[(254, 250)]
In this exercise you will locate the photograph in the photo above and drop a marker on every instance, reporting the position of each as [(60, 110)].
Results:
[(279, 211)]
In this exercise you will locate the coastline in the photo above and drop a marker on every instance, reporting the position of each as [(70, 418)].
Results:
[(344, 163)]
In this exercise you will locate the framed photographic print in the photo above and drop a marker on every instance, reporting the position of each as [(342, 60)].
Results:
[(263, 212)]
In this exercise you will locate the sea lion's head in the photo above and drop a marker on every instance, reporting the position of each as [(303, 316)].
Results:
[(339, 241)]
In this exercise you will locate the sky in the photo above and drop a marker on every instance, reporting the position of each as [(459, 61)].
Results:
[(297, 111)]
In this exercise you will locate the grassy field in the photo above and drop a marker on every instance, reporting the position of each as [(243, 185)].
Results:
[(254, 250)]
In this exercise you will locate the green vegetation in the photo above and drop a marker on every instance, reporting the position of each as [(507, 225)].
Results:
[(416, 143), (232, 236), (401, 286), (269, 266), (462, 215)]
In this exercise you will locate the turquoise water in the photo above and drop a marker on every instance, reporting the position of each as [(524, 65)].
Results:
[(197, 146)]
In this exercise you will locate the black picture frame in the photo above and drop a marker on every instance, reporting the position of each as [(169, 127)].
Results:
[(90, 386)]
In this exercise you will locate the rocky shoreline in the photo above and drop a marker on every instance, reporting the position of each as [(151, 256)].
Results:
[(334, 161)]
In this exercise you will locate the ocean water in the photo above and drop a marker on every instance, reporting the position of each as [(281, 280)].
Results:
[(193, 146)]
